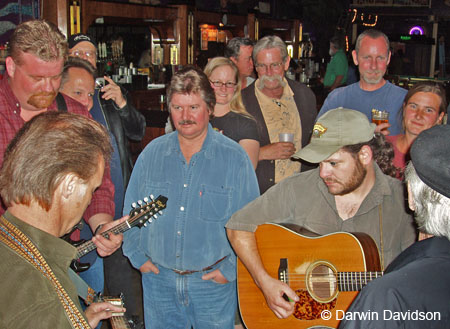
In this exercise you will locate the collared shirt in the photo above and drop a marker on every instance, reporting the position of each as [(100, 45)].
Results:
[(11, 122), (281, 116), (29, 299), (414, 285), (202, 196), (303, 199)]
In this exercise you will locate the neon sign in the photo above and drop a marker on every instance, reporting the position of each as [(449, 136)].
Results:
[(417, 30)]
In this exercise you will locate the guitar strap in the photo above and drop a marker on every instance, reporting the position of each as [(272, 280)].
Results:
[(380, 215), (12, 237)]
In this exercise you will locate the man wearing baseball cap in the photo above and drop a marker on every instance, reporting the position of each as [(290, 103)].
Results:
[(348, 192), (111, 107), (416, 282)]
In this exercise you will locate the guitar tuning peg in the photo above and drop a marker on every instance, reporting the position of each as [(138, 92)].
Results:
[(152, 197)]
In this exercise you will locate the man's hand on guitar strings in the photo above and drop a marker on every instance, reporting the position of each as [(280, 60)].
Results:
[(274, 290), (101, 311), (107, 245)]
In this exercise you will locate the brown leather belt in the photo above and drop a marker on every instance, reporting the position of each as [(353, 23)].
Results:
[(210, 267)]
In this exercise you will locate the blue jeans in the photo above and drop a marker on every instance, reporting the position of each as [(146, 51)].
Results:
[(181, 301), (94, 278)]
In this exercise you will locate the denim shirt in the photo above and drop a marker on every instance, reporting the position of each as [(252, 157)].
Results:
[(202, 196)]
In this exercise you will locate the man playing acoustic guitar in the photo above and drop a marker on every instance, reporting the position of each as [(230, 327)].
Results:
[(348, 192)]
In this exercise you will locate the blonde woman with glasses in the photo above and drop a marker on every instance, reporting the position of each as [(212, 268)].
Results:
[(230, 116)]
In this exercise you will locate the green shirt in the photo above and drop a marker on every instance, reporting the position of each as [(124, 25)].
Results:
[(28, 299), (303, 199), (337, 66)]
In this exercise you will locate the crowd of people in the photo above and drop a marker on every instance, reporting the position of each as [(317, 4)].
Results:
[(225, 169)]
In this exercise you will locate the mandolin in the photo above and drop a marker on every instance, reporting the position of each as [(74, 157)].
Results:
[(142, 212), (326, 272)]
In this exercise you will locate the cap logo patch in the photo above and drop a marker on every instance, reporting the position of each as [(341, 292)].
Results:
[(318, 130)]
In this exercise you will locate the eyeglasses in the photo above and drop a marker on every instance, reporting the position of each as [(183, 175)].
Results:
[(219, 84), (80, 53), (264, 67)]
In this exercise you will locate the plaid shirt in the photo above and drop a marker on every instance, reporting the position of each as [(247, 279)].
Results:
[(11, 122)]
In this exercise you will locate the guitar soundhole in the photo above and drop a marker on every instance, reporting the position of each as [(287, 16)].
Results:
[(322, 283), (309, 309)]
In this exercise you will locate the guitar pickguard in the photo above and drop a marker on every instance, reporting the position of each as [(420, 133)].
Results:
[(309, 309)]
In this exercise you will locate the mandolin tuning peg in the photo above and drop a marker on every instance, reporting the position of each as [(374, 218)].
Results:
[(146, 200), (145, 224), (160, 212), (139, 202), (134, 205), (155, 216), (150, 220), (152, 197)]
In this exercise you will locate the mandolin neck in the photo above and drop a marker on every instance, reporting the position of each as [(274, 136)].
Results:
[(88, 246)]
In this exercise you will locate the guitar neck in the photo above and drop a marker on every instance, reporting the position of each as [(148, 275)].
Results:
[(88, 246), (355, 281)]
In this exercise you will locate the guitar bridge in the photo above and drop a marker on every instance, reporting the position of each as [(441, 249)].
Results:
[(283, 274)]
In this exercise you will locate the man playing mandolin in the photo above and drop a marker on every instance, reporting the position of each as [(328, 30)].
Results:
[(46, 187), (348, 192)]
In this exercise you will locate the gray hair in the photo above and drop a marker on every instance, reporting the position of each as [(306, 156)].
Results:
[(373, 34), (269, 42), (432, 209), (233, 47), (192, 80)]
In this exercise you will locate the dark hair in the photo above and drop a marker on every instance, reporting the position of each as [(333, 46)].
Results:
[(192, 80), (40, 38), (76, 62), (337, 42), (233, 47), (46, 149), (383, 153)]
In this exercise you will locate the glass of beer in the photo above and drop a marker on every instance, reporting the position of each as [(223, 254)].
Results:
[(379, 116)]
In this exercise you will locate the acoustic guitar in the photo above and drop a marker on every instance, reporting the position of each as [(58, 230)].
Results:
[(326, 272), (141, 213)]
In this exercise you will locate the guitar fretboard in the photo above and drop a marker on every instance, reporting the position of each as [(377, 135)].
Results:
[(355, 281)]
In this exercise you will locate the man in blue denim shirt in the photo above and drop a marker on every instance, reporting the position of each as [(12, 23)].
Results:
[(187, 264)]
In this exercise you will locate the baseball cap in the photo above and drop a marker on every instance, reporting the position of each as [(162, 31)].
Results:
[(75, 39), (430, 155), (333, 130)]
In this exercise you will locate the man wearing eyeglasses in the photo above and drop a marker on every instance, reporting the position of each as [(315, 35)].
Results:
[(110, 107), (34, 67), (279, 105)]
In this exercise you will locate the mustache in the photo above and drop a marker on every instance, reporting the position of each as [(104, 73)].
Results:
[(267, 78), (187, 122)]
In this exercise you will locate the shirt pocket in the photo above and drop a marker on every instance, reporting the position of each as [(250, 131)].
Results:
[(215, 203)]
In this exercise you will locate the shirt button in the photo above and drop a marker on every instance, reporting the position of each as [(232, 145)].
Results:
[(270, 180), (184, 185), (182, 208), (271, 161), (178, 255), (179, 232)]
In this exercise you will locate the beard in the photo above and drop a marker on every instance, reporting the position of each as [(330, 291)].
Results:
[(356, 178), (42, 100), (265, 78), (375, 80)]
